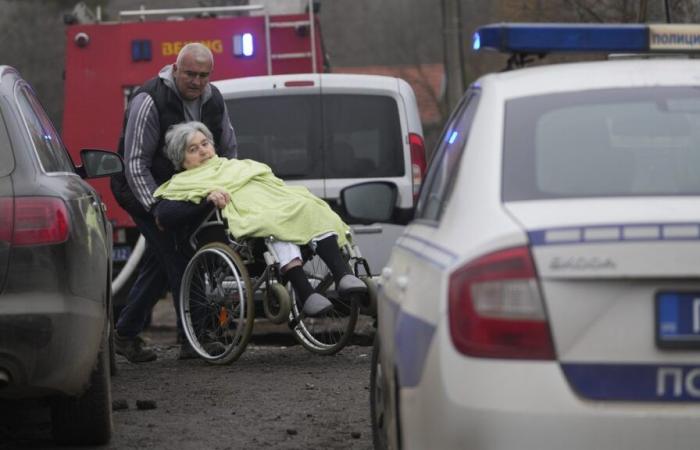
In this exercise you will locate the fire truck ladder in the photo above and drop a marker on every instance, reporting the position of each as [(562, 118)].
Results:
[(310, 23)]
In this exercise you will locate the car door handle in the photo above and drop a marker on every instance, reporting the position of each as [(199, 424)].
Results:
[(98, 205), (402, 282), (367, 229), (386, 273)]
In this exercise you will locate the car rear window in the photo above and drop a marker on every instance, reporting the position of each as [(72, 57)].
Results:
[(612, 142), (313, 136), (7, 160)]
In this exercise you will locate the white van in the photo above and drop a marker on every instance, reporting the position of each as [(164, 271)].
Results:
[(330, 131)]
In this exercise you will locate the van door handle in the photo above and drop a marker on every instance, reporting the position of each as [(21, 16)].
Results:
[(367, 229)]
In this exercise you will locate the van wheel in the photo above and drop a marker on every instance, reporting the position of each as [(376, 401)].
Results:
[(86, 420)]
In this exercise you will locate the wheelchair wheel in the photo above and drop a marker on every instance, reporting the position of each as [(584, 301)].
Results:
[(328, 334), (216, 304)]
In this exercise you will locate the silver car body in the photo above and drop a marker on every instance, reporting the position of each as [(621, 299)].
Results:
[(54, 291)]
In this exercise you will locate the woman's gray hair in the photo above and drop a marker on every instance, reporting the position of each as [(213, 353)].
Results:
[(177, 138)]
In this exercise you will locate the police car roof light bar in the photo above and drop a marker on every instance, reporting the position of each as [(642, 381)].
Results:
[(543, 38)]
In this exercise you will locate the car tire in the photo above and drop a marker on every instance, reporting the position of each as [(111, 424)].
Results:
[(112, 349), (377, 400), (86, 420), (111, 330)]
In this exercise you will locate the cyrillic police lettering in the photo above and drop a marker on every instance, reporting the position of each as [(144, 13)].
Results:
[(672, 381)]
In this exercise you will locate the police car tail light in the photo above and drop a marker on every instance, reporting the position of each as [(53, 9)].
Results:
[(496, 310), (418, 163), (37, 220)]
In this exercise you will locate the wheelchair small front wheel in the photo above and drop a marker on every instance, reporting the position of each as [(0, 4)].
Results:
[(216, 304), (276, 303)]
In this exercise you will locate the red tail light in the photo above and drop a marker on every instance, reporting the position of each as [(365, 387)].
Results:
[(496, 310), (418, 163), (33, 220), (6, 219)]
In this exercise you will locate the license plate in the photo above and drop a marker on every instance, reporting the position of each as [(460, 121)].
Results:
[(678, 320), (121, 253)]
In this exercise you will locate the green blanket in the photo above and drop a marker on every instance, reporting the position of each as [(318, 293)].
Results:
[(261, 204)]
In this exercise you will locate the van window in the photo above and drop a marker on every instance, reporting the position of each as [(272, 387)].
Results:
[(283, 132), (312, 136)]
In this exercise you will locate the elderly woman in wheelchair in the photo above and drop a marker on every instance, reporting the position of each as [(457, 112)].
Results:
[(253, 203)]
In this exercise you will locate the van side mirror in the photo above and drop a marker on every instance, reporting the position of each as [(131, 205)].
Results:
[(99, 163), (370, 202)]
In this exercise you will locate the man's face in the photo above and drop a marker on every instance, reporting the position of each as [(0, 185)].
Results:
[(191, 77)]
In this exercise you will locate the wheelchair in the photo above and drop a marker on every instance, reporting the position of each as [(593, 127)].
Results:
[(225, 278)]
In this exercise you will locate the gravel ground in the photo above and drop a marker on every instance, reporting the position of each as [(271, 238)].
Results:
[(273, 397), (276, 396)]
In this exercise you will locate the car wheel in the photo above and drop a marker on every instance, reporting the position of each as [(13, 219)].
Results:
[(378, 400), (110, 331), (86, 420), (112, 349)]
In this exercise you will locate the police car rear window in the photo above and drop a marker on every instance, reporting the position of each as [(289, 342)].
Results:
[(603, 143), (313, 136)]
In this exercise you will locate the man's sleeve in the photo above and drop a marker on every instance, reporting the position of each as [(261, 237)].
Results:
[(228, 145), (140, 141)]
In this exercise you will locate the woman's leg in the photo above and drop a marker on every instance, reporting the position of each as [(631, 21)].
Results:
[(291, 268), (347, 283)]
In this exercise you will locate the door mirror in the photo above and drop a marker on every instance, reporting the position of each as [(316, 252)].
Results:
[(370, 202), (99, 163)]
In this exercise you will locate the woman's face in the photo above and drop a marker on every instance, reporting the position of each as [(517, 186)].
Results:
[(199, 149)]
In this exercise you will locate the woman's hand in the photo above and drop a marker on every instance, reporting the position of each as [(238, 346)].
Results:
[(219, 198)]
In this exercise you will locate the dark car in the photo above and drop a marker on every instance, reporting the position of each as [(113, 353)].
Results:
[(55, 272)]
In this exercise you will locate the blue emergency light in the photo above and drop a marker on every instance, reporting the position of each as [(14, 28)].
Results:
[(243, 44), (542, 38)]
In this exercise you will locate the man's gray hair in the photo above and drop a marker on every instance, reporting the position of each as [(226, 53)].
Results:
[(198, 51), (177, 138)]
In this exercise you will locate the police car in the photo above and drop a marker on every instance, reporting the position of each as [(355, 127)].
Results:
[(546, 294)]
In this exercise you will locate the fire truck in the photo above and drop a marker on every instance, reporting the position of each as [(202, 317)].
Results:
[(106, 61)]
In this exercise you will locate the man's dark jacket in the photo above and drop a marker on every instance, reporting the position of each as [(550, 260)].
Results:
[(170, 112)]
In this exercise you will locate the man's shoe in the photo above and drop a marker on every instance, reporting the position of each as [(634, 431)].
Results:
[(316, 305), (133, 349), (350, 284)]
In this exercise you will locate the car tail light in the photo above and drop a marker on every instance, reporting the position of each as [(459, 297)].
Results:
[(6, 219), (418, 163), (33, 220), (496, 310)]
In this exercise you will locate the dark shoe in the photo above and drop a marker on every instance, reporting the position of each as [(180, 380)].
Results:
[(188, 352), (316, 305), (350, 284), (133, 349)]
